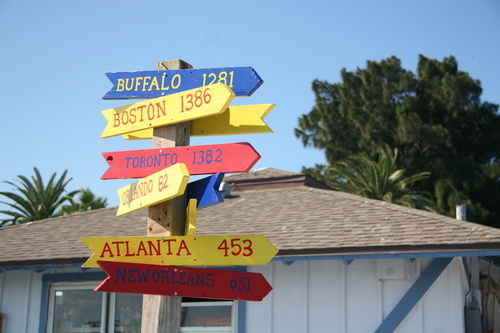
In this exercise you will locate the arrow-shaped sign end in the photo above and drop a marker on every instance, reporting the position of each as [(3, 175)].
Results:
[(91, 261), (104, 282), (206, 190)]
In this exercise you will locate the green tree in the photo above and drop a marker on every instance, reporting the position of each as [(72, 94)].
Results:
[(36, 200), (434, 118), (379, 179), (84, 201)]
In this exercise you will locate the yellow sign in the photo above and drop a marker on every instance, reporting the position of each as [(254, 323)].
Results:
[(245, 119), (182, 250), (191, 217), (183, 106), (160, 186)]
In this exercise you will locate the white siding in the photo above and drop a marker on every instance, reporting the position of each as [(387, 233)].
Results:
[(308, 297), (329, 296), (362, 307), (325, 284), (20, 299)]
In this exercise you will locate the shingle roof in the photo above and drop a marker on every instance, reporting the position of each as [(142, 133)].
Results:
[(298, 220)]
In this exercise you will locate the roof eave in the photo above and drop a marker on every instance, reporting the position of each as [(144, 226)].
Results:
[(40, 264), (385, 252), (338, 253)]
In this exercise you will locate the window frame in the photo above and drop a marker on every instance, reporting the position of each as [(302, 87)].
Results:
[(90, 285), (49, 279)]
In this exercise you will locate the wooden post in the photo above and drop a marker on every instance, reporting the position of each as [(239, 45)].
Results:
[(162, 314)]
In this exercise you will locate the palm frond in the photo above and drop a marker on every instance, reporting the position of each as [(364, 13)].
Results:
[(33, 200), (379, 179)]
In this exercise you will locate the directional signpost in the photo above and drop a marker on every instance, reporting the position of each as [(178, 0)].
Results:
[(243, 81), (245, 119), (162, 314), (182, 281), (224, 250), (182, 102), (200, 160), (171, 109), (160, 186)]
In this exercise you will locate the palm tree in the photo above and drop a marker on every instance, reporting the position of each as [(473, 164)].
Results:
[(381, 180), (36, 200), (86, 200)]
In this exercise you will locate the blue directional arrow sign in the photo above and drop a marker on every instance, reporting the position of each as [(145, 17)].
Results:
[(206, 190), (151, 84)]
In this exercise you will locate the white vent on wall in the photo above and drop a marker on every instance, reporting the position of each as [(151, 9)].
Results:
[(395, 269)]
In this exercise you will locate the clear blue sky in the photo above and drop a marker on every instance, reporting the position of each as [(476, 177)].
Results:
[(54, 54)]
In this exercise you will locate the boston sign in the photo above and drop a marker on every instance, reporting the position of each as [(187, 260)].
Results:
[(161, 111)]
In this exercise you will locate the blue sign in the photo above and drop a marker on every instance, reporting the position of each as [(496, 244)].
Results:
[(206, 190), (151, 84)]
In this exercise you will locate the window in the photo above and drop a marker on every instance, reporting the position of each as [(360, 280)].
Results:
[(74, 307), (206, 316), (128, 312), (77, 308)]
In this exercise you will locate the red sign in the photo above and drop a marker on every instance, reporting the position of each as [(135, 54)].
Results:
[(200, 160), (182, 281)]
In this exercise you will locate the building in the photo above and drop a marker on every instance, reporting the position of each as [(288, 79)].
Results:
[(345, 264)]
